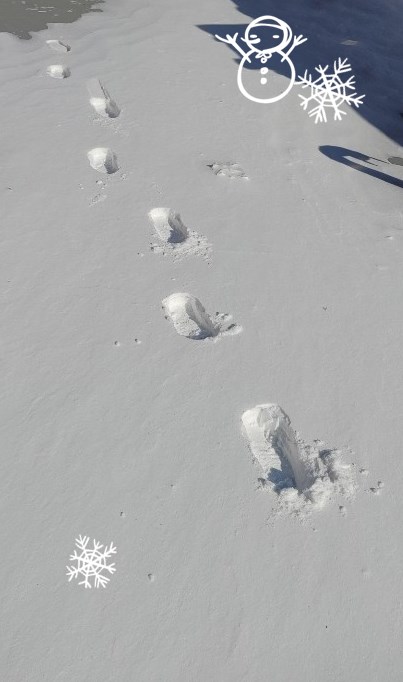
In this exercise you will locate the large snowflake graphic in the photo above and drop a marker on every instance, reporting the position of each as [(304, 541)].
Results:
[(91, 563), (329, 91)]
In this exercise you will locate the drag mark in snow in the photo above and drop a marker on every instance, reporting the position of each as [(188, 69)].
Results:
[(58, 71), (230, 170), (190, 319), (101, 101), (103, 160), (176, 239), (305, 477), (58, 46)]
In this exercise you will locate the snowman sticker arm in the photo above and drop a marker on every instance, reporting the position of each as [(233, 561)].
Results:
[(298, 40), (232, 40)]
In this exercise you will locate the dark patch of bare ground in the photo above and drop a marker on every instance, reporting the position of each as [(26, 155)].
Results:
[(23, 17)]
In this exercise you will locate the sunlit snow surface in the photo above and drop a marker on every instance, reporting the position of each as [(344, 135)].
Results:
[(144, 186)]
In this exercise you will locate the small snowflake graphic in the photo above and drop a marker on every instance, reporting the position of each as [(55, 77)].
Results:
[(91, 563), (329, 91)]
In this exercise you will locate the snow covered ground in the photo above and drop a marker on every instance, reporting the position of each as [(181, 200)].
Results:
[(253, 543)]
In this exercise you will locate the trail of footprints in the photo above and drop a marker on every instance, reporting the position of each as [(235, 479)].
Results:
[(58, 70), (304, 476), (101, 159)]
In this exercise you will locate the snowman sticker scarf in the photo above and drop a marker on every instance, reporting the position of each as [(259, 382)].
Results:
[(268, 44)]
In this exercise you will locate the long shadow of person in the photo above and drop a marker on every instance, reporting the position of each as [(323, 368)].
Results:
[(341, 155), (369, 36), (22, 17)]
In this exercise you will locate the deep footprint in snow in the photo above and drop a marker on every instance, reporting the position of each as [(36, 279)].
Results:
[(176, 239), (103, 160), (101, 101), (230, 170), (304, 476), (168, 225), (58, 46), (190, 319), (58, 71)]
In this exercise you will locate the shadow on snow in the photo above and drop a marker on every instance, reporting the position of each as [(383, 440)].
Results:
[(374, 49)]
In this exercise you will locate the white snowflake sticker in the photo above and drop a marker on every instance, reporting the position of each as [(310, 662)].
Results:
[(91, 563), (329, 91)]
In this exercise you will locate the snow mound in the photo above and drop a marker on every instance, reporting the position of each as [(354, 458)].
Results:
[(304, 476)]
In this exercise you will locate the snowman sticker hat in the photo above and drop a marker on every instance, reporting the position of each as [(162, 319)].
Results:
[(282, 31), (259, 88)]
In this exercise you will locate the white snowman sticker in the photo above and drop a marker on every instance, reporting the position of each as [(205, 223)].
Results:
[(267, 39)]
